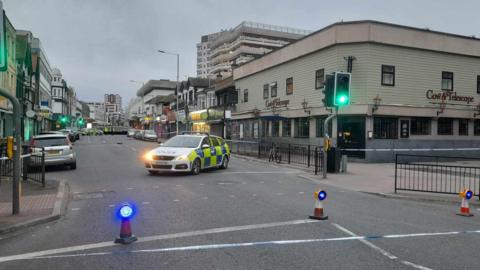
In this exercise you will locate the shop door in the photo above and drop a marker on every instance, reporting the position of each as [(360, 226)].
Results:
[(351, 135)]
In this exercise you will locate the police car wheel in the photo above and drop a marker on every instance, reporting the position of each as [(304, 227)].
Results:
[(196, 167), (224, 163)]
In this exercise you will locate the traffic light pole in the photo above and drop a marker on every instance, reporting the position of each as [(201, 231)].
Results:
[(17, 149), (325, 142)]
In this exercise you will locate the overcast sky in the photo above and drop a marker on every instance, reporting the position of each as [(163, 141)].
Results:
[(100, 45)]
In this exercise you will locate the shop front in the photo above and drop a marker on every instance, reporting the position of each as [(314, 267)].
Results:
[(209, 120)]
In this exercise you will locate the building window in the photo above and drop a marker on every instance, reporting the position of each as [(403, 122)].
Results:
[(320, 78), (388, 75), (275, 128), (463, 127), (420, 126), (319, 126), (286, 128), (273, 89), (302, 127), (476, 127), (289, 87), (478, 84), (245, 95), (385, 128), (445, 126), (265, 91), (447, 80)]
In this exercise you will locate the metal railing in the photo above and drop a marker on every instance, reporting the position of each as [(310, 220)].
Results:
[(437, 174), (309, 156), (32, 165)]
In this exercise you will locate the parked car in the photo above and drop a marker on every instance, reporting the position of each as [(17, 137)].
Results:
[(58, 149), (69, 133), (150, 135), (131, 132), (138, 134), (188, 153)]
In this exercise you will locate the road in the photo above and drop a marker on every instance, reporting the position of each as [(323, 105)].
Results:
[(250, 216)]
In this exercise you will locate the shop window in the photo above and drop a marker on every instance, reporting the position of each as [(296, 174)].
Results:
[(447, 80), (273, 89), (264, 130), (302, 127), (289, 86), (476, 127), (385, 128), (388, 75), (275, 128), (245, 95), (445, 126), (463, 127), (420, 126), (319, 78), (265, 91), (286, 128)]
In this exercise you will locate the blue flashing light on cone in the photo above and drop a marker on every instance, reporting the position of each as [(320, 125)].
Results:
[(126, 213), (318, 213)]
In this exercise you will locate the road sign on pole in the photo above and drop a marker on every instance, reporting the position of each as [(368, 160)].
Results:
[(3, 43)]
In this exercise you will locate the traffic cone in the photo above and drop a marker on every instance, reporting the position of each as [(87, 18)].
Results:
[(466, 195), (318, 212), (126, 236)]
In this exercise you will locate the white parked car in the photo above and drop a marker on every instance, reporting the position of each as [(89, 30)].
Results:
[(150, 135), (58, 149)]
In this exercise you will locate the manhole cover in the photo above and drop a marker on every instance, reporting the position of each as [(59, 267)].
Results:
[(92, 195)]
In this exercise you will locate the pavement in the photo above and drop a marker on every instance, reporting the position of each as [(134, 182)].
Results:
[(37, 204), (254, 215)]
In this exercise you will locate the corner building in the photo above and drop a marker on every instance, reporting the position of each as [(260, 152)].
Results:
[(410, 88)]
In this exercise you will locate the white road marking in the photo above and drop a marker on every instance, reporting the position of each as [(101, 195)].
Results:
[(204, 198), (218, 246), (280, 194), (381, 250), (179, 185), (202, 184), (130, 188), (262, 182), (254, 195), (176, 200), (111, 205), (133, 149), (301, 192), (156, 187), (277, 172), (145, 203), (44, 253), (231, 196), (75, 209)]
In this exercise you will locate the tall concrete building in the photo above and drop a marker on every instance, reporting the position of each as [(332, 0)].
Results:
[(218, 52), (113, 103)]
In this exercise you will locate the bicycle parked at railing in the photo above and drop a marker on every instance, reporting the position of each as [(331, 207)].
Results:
[(274, 154)]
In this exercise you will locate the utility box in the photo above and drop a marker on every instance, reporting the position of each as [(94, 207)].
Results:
[(333, 160)]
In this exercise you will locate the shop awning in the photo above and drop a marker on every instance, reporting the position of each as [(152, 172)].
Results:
[(273, 117)]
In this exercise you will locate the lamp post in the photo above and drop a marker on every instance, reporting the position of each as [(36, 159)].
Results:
[(176, 92)]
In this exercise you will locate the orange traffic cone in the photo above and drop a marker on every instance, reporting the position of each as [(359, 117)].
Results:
[(465, 207), (318, 212), (126, 212)]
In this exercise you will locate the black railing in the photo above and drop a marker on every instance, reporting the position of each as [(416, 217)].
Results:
[(32, 167), (437, 174), (306, 155)]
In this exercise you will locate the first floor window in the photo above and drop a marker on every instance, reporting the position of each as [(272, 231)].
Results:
[(420, 126), (319, 78), (445, 126), (478, 84), (463, 127), (287, 128), (476, 127), (385, 128), (388, 75), (275, 128), (245, 95), (265, 91), (289, 86), (302, 127), (447, 80), (273, 89)]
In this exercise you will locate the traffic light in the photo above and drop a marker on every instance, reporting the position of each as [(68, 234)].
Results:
[(81, 122), (63, 119), (342, 89), (328, 90)]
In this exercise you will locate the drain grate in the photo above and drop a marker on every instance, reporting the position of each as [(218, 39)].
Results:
[(92, 195)]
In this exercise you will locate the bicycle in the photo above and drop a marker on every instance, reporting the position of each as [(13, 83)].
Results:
[(275, 155)]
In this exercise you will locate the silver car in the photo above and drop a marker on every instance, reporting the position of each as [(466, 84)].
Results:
[(150, 135), (58, 149)]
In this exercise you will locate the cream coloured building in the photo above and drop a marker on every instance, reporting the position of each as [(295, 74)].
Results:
[(410, 88)]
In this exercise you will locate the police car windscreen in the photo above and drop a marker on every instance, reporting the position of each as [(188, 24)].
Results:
[(183, 141)]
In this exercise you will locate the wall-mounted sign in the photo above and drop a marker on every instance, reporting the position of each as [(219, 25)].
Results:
[(276, 102), (448, 96), (30, 113)]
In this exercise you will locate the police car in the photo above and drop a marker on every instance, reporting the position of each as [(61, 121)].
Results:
[(188, 153)]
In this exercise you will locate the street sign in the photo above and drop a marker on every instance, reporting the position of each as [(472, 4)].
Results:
[(3, 43)]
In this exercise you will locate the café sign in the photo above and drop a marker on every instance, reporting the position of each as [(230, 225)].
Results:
[(448, 96), (276, 102)]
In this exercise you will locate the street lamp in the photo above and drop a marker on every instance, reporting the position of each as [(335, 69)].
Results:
[(176, 92)]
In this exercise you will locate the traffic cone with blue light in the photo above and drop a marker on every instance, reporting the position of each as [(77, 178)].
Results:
[(466, 195), (318, 212), (126, 212)]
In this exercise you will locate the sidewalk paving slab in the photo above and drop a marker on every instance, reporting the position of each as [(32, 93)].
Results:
[(38, 205)]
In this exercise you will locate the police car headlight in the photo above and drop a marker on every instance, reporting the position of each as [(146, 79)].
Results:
[(148, 156), (184, 157)]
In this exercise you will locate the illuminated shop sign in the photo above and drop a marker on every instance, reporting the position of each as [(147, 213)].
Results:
[(276, 102), (448, 96)]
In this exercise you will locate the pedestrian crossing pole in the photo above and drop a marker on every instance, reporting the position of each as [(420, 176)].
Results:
[(326, 142)]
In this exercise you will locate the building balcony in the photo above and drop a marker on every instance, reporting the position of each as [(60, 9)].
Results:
[(242, 40), (238, 51)]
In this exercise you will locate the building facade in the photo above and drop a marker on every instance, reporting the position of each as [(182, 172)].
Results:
[(218, 52), (25, 91), (96, 112), (42, 82), (410, 88), (8, 80)]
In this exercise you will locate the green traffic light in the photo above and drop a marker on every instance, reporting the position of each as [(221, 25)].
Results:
[(342, 99)]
